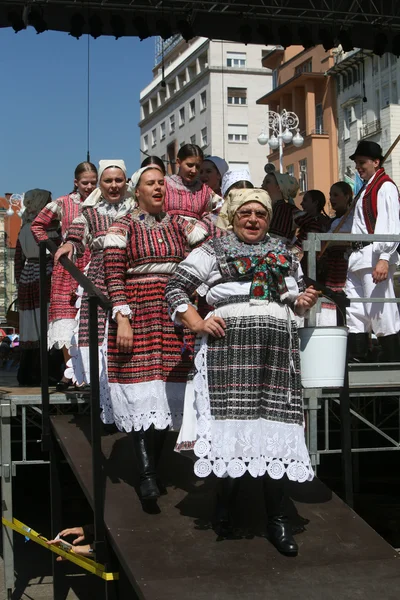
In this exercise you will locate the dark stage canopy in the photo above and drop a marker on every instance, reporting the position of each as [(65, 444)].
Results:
[(373, 25)]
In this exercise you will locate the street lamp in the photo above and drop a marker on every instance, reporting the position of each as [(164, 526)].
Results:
[(15, 201), (281, 126)]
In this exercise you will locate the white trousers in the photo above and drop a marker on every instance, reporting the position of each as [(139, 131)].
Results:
[(381, 318)]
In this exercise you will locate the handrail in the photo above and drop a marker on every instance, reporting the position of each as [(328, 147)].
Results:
[(77, 274), (312, 245), (96, 298)]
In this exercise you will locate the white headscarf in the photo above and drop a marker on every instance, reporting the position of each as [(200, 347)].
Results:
[(134, 180), (231, 177), (95, 196)]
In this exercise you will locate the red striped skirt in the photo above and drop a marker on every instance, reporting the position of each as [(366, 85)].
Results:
[(161, 350)]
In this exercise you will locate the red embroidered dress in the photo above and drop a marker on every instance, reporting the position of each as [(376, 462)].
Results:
[(88, 232), (62, 310), (190, 201), (141, 252)]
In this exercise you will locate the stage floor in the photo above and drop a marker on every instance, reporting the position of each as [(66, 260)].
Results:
[(176, 553)]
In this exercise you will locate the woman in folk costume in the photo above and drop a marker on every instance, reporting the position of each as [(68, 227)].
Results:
[(333, 265), (88, 231), (186, 195), (26, 264), (148, 357), (63, 211), (246, 411)]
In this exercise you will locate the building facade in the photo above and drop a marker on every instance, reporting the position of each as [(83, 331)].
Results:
[(368, 106), (9, 229), (207, 96), (301, 84)]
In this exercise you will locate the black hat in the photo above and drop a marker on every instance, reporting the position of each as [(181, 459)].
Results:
[(369, 149)]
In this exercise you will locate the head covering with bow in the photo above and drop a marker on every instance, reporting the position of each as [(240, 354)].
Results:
[(236, 199), (288, 184), (220, 164)]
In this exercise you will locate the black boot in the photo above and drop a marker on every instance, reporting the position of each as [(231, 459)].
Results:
[(279, 530), (358, 347), (159, 440), (228, 488), (390, 348), (143, 442)]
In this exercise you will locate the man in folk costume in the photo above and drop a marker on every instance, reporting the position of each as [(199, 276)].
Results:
[(372, 265)]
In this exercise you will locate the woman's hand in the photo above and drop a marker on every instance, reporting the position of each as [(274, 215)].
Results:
[(124, 334), (67, 249), (306, 300), (214, 326), (74, 531)]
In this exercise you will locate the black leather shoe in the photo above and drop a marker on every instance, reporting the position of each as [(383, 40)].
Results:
[(279, 533), (149, 489), (62, 386), (143, 442)]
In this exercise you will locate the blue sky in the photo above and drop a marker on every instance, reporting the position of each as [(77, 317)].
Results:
[(43, 105)]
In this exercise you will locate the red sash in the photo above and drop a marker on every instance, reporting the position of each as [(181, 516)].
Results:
[(370, 199)]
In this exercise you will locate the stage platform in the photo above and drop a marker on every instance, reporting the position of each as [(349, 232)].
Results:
[(175, 553)]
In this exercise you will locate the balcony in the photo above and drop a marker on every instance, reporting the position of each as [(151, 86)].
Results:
[(370, 128)]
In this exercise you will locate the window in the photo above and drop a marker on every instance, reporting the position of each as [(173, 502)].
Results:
[(375, 63), (349, 77), (236, 59), (182, 144), (319, 119), (172, 124), (344, 81), (305, 67), (193, 139), (347, 122), (204, 137), (237, 96), (145, 143), (163, 158), (385, 96), (274, 78), (203, 100), (181, 116), (303, 175), (395, 98), (153, 137), (237, 133), (192, 109), (290, 170), (162, 130), (385, 60)]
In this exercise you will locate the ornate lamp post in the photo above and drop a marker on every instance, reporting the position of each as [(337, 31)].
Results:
[(281, 126), (16, 204)]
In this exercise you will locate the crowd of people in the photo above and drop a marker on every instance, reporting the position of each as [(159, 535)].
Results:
[(204, 273)]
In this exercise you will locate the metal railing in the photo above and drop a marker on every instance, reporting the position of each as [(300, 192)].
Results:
[(312, 245), (96, 299), (370, 128)]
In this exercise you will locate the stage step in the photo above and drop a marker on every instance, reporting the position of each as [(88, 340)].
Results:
[(176, 554)]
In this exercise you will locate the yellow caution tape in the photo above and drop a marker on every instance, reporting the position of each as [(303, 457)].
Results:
[(86, 563)]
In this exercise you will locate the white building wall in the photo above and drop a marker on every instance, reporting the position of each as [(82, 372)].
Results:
[(215, 78), (370, 111)]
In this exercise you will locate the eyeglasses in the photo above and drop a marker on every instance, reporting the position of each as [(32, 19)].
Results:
[(246, 214)]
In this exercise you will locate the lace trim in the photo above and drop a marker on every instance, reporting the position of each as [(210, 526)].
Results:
[(137, 405), (124, 309), (234, 447), (60, 333)]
